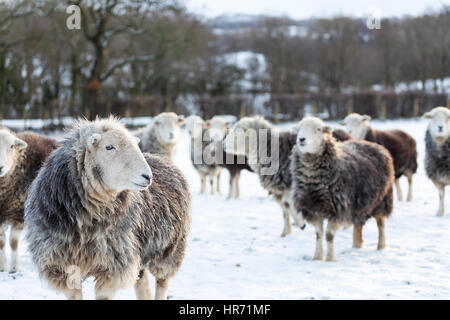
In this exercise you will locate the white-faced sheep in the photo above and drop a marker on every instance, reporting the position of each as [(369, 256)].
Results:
[(268, 151), (161, 136), (234, 164), (437, 158), (102, 208), (399, 143), (345, 183), (202, 148), (21, 156)]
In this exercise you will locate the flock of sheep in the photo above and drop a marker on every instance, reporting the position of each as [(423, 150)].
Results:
[(109, 203)]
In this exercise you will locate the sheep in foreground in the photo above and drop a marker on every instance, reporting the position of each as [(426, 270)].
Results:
[(399, 143), (160, 137), (101, 208), (201, 147), (346, 183), (437, 158), (218, 130), (21, 156)]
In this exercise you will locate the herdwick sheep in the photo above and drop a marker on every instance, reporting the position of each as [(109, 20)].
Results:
[(400, 144), (269, 156), (268, 151), (344, 182), (101, 208), (200, 147), (21, 156), (160, 137), (218, 128), (437, 158)]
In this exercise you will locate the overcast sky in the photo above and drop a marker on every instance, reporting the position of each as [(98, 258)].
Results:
[(312, 8)]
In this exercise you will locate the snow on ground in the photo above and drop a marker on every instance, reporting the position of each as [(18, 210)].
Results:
[(235, 250)]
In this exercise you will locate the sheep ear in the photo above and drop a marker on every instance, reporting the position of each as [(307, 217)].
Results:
[(156, 122), (296, 127), (367, 118), (94, 139), (207, 124), (327, 129), (20, 144), (228, 124), (181, 119), (428, 115), (137, 140)]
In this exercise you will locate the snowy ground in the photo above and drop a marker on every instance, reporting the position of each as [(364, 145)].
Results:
[(235, 250)]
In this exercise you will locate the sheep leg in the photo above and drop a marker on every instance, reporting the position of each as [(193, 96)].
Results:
[(357, 236), (203, 179), (236, 186), (2, 249), (142, 286), (399, 190), (211, 182), (162, 287), (318, 225), (441, 189), (409, 175), (381, 233), (331, 231), (14, 238), (74, 294), (218, 182), (231, 189), (287, 229)]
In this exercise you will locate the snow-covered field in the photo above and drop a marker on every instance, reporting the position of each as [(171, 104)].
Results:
[(235, 250)]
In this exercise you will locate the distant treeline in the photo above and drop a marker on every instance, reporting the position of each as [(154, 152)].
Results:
[(138, 58)]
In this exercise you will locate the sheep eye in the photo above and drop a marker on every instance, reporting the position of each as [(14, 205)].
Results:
[(110, 147), (12, 146), (319, 129)]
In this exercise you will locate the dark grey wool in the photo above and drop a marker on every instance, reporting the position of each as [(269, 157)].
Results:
[(437, 160), (348, 182), (135, 231)]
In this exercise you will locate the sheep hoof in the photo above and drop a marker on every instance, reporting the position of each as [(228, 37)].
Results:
[(318, 258), (381, 247), (440, 214), (358, 246), (284, 234), (332, 259), (12, 270)]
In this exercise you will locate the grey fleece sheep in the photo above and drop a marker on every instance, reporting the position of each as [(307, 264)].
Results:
[(21, 156), (270, 158), (437, 158), (161, 136), (101, 208), (346, 183), (202, 153)]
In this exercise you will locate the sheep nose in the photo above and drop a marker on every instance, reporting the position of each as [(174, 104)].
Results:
[(171, 135), (440, 128), (147, 177), (302, 140)]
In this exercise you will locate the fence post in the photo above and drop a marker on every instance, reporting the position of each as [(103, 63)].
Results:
[(350, 107), (242, 111), (448, 103), (314, 110), (46, 116), (276, 112), (416, 108), (24, 116), (1, 118), (383, 111)]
